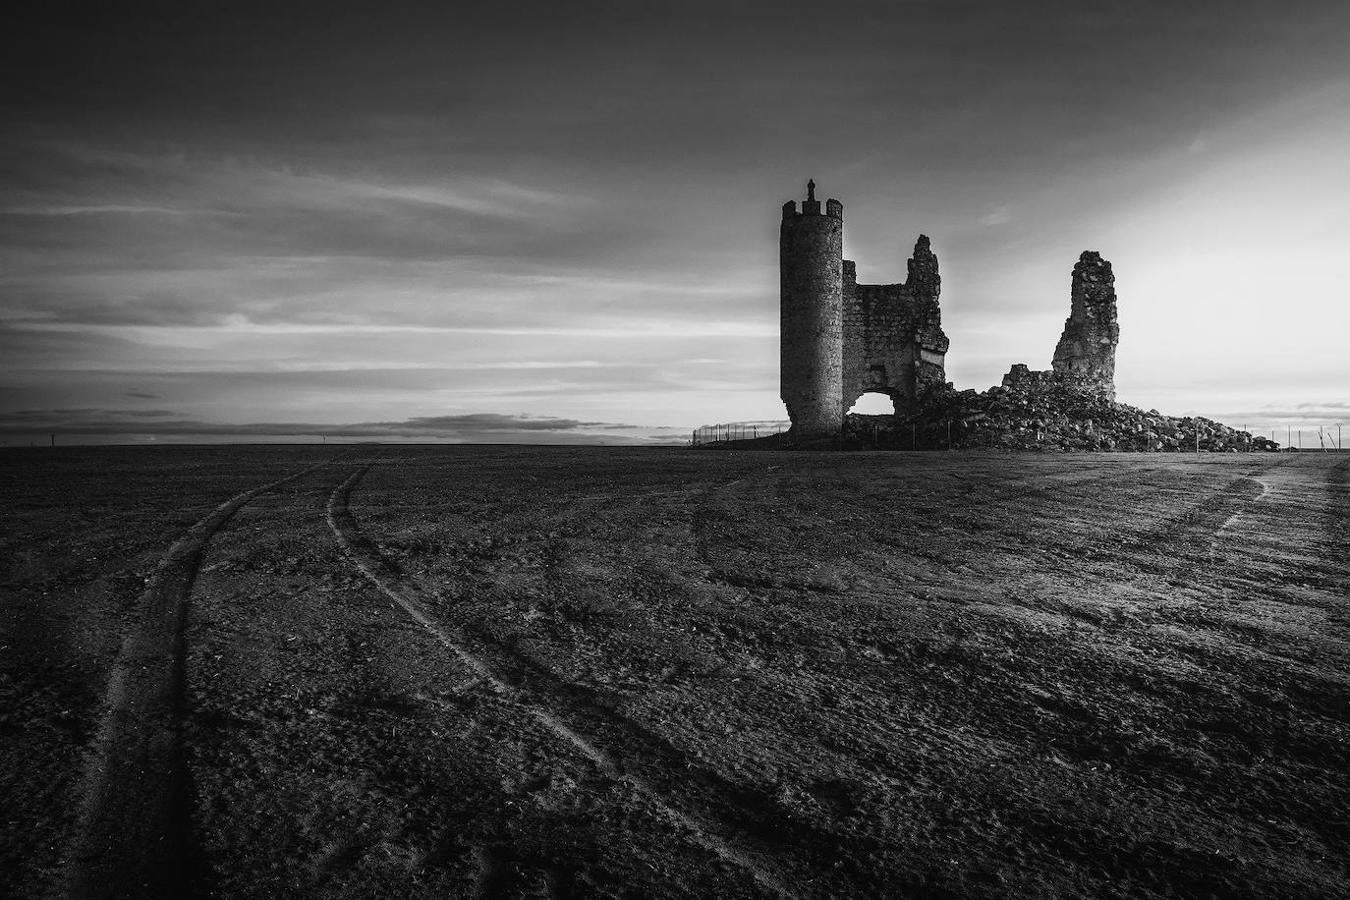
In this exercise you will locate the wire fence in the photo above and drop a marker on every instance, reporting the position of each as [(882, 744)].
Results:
[(1313, 437), (938, 435), (736, 431)]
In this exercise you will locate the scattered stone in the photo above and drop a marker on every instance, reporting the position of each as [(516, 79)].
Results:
[(1046, 412)]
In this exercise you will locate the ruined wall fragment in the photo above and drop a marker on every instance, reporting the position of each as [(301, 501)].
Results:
[(1087, 348), (893, 338)]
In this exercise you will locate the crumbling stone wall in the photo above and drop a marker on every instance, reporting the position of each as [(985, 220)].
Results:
[(1087, 348), (840, 339), (893, 338), (1085, 358)]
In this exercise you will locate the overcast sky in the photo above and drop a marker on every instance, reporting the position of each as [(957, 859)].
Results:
[(517, 221)]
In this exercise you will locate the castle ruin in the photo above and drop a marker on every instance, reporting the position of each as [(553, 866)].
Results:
[(840, 339), (1085, 357)]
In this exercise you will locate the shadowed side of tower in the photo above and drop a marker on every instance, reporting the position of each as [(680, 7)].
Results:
[(811, 255)]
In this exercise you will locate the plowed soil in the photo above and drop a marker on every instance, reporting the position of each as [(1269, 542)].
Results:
[(496, 672)]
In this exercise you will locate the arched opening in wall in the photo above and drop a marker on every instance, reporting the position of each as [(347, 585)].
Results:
[(874, 403)]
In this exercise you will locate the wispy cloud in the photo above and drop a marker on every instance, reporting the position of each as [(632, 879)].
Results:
[(87, 422), (104, 209), (999, 215), (1314, 414), (243, 327), (490, 196), (361, 226)]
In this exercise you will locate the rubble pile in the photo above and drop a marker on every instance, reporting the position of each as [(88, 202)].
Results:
[(1046, 411)]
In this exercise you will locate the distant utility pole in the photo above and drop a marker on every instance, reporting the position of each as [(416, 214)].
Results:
[(53, 440)]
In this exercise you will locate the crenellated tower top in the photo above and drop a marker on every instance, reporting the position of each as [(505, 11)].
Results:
[(811, 206)]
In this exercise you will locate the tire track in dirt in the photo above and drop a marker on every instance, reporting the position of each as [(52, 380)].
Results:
[(134, 836), (1193, 546), (1193, 533), (994, 498), (760, 819), (1239, 512), (515, 679), (1336, 525), (1337, 517)]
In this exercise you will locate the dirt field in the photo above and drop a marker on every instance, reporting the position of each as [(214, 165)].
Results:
[(489, 671)]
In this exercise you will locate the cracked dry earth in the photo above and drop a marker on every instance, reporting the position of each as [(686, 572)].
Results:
[(495, 672)]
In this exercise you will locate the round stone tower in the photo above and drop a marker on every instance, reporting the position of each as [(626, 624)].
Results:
[(811, 307)]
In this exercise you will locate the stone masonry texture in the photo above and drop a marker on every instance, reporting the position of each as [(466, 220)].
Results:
[(1087, 348), (840, 339), (893, 338), (811, 309)]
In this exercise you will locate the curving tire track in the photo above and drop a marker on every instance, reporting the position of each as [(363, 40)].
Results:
[(1336, 528), (134, 836), (1190, 535), (1336, 520), (523, 684)]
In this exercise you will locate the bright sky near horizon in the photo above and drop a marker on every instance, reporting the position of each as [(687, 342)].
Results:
[(559, 221)]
